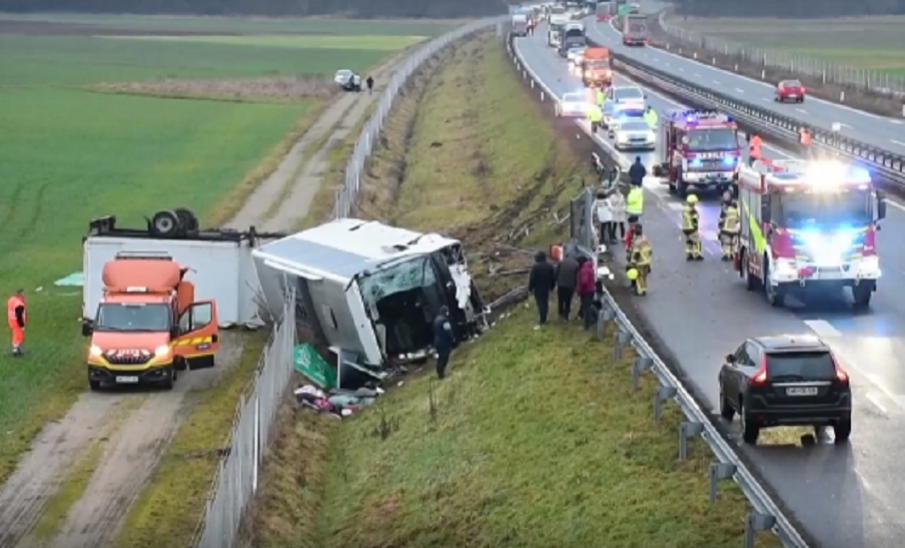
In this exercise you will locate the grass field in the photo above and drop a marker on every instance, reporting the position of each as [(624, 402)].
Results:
[(536, 439), (866, 42), (69, 154)]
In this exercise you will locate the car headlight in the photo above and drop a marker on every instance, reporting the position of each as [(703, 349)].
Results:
[(95, 350), (785, 268), (161, 351), (651, 136)]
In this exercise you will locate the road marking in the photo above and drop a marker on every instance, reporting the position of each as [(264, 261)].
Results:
[(897, 122), (717, 82), (738, 90), (666, 64), (675, 206), (681, 70), (801, 110), (823, 328), (876, 401), (900, 143), (696, 75)]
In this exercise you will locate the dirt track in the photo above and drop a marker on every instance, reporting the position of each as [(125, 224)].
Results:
[(133, 445)]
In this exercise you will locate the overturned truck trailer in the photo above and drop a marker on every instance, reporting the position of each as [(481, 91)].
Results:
[(369, 292)]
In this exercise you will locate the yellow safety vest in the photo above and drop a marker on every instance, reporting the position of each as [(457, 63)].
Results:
[(600, 97), (689, 219), (731, 221), (634, 202), (651, 118), (641, 251), (594, 113)]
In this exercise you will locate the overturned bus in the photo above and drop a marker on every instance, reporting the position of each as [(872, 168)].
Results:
[(369, 292)]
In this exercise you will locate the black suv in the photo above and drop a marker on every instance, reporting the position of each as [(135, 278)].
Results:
[(783, 381)]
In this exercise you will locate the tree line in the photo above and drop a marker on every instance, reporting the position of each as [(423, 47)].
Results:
[(789, 8), (347, 8)]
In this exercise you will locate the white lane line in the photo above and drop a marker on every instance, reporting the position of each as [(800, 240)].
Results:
[(681, 70), (717, 82), (900, 143), (739, 90), (696, 75), (803, 111), (675, 206), (665, 64), (823, 328), (897, 122), (876, 401)]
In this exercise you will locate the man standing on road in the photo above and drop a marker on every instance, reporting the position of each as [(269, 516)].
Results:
[(651, 117), (595, 116), (754, 144), (541, 281), (636, 174), (16, 317), (370, 83), (443, 340), (566, 278), (804, 142)]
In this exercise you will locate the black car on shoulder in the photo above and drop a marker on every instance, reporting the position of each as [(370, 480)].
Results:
[(785, 380)]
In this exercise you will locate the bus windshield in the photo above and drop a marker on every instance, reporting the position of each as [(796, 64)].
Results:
[(824, 209), (712, 139)]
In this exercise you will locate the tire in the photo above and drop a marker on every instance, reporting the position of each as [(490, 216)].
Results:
[(750, 432), (726, 410), (842, 430), (165, 224), (170, 381), (745, 273), (861, 295), (187, 219), (95, 386), (776, 298)]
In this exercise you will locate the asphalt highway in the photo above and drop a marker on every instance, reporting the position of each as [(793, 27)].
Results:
[(846, 496), (886, 133)]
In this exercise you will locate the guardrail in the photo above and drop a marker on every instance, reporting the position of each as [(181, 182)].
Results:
[(889, 165), (345, 197), (881, 83), (728, 464)]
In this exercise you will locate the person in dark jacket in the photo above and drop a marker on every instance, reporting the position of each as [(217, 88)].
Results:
[(443, 340), (370, 83), (637, 172), (587, 287), (566, 278), (541, 282)]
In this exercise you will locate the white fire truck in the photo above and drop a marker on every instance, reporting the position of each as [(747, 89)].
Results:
[(808, 225), (701, 149)]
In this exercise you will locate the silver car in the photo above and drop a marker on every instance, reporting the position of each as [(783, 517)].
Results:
[(348, 80), (634, 134), (572, 105)]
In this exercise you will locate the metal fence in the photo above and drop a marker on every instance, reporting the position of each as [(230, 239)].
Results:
[(237, 476), (346, 196), (794, 63)]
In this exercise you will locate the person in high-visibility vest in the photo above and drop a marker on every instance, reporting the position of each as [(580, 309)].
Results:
[(729, 225), (804, 140), (754, 149), (634, 207), (651, 117), (601, 98), (16, 317), (595, 116), (691, 229), (639, 260)]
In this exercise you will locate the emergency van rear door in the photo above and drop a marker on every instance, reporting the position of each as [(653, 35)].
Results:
[(199, 335)]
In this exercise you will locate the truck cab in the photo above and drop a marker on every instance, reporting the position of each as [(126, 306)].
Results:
[(573, 36), (808, 225), (701, 150), (596, 70), (148, 325)]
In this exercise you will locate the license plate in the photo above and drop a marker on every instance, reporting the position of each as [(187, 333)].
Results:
[(810, 391), (830, 273), (126, 380), (793, 95)]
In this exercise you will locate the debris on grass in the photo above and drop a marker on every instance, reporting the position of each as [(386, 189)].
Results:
[(273, 89)]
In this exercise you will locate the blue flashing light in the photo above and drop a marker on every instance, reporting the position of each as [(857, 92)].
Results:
[(729, 160), (696, 162), (860, 174)]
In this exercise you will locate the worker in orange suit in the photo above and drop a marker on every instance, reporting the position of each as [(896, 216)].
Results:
[(754, 145), (15, 315)]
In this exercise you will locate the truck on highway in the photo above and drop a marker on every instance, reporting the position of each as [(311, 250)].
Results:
[(635, 29), (700, 149), (554, 33), (596, 70), (520, 24), (808, 225), (573, 36), (604, 11), (148, 324)]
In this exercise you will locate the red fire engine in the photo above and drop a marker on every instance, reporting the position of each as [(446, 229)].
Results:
[(808, 225), (701, 149)]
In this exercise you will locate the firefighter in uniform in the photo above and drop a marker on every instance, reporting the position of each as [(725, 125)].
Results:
[(639, 260), (15, 317), (595, 116), (726, 199), (690, 227), (729, 225)]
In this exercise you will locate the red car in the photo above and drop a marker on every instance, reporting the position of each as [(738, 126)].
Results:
[(790, 90)]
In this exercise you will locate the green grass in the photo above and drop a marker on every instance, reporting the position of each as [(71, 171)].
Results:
[(173, 501), (246, 25), (536, 439), (864, 42), (375, 43), (69, 154)]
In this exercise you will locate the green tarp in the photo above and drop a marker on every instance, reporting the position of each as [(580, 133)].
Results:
[(308, 362)]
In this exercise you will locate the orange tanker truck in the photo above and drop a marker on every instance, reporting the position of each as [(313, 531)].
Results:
[(595, 68), (148, 325)]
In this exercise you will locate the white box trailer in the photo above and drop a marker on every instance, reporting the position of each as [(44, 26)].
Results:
[(220, 263)]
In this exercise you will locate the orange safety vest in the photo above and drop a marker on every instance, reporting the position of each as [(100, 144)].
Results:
[(805, 137), (755, 147), (12, 304)]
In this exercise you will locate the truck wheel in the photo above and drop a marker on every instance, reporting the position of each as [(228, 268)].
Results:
[(861, 295), (165, 224), (775, 295), (167, 384), (187, 219)]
